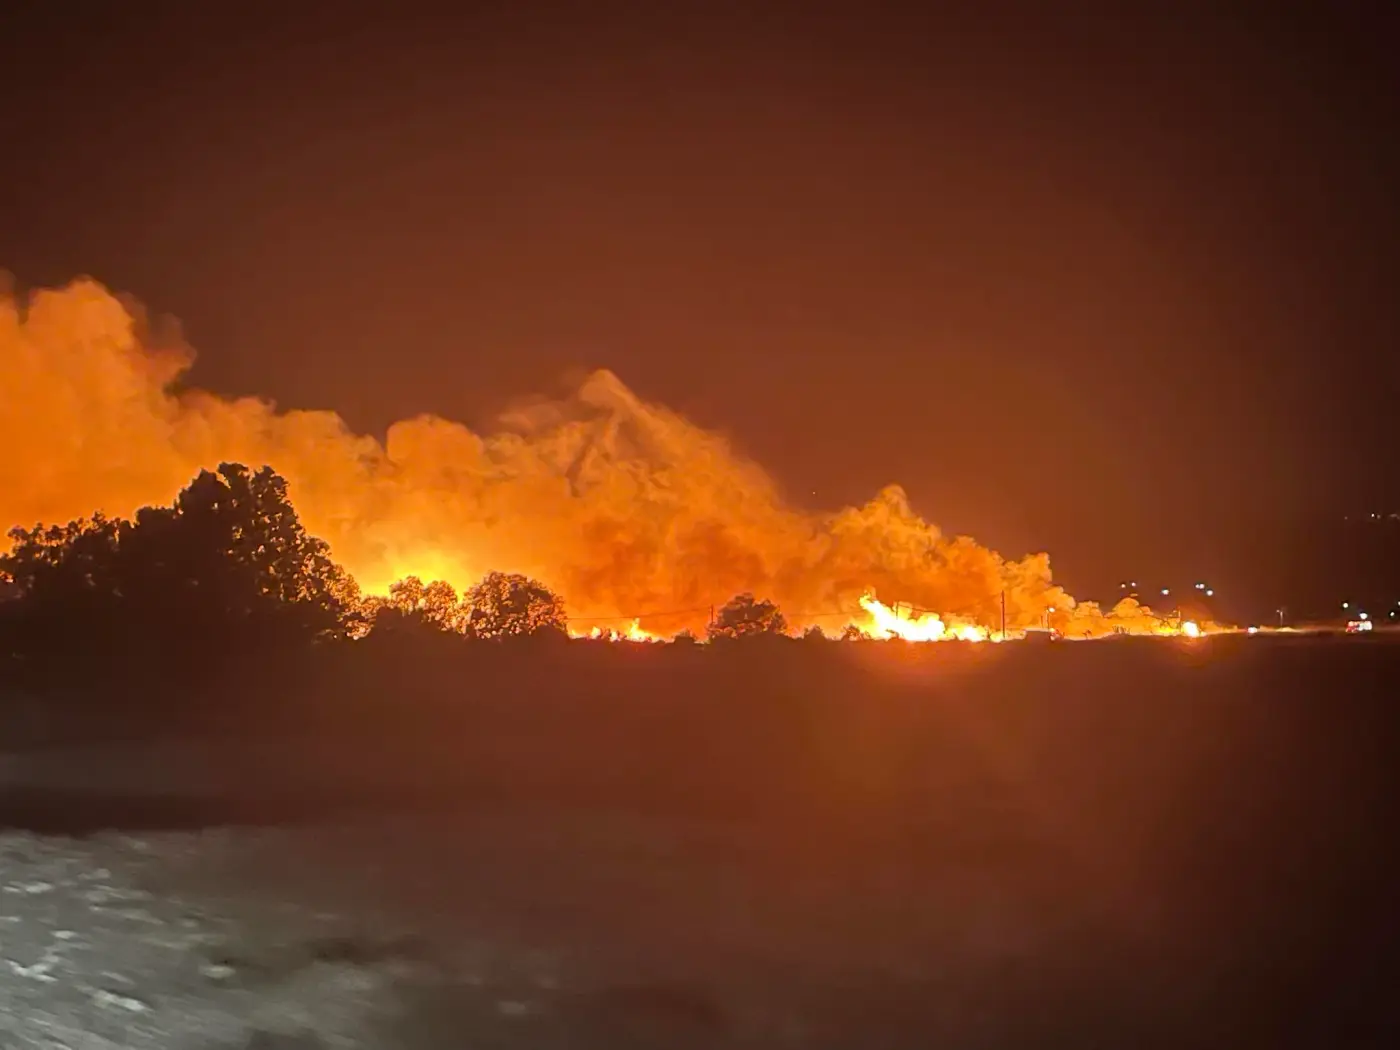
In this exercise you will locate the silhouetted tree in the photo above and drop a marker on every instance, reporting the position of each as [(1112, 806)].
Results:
[(813, 634), (508, 604), (406, 595), (412, 603), (64, 589), (233, 548), (745, 616), (78, 563), (228, 564), (852, 633)]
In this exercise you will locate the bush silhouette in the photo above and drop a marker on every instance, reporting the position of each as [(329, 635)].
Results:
[(744, 616)]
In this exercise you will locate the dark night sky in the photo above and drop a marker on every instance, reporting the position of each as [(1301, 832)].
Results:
[(1119, 288)]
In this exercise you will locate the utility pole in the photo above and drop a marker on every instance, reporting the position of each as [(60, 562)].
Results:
[(1003, 615)]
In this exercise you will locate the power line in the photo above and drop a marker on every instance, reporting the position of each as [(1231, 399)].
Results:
[(638, 616)]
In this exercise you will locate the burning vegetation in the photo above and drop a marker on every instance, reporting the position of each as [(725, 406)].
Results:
[(596, 513)]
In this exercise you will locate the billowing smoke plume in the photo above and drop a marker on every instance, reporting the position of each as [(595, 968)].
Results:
[(623, 507)]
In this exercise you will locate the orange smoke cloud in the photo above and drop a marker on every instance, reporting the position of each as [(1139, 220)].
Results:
[(621, 506)]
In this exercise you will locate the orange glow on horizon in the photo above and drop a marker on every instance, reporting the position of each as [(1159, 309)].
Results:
[(624, 508)]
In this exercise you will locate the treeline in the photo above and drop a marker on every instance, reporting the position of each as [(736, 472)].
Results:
[(226, 576)]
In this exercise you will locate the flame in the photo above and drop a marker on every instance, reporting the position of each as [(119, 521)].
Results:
[(916, 627), (621, 506), (636, 634), (633, 633)]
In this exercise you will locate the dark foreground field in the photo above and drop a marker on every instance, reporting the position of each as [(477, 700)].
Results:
[(1151, 843)]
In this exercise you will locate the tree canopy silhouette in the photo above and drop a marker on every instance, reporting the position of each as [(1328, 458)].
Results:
[(235, 536), (413, 606), (229, 562), (505, 604), (501, 605), (745, 616)]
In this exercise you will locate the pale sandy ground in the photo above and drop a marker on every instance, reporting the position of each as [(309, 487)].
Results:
[(1077, 920), (428, 933), (1039, 914)]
